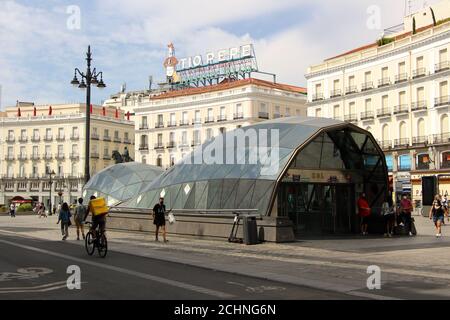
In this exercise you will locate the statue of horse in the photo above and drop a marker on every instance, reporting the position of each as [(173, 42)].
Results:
[(118, 158)]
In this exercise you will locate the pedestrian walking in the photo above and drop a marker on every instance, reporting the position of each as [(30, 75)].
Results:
[(405, 213), (437, 212), (12, 210), (41, 210), (159, 219), (364, 213), (64, 218), (79, 217), (388, 211)]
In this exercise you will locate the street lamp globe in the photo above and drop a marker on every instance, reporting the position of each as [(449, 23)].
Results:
[(82, 85)]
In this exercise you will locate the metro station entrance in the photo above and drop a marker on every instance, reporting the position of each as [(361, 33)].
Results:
[(318, 208)]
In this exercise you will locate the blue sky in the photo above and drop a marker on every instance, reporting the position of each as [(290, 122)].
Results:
[(129, 38)]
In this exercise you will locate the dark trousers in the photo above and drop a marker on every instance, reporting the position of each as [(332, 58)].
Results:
[(406, 219)]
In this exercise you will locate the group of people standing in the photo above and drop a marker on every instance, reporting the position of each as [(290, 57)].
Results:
[(400, 214)]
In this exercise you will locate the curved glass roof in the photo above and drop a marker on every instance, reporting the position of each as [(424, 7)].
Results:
[(121, 181), (238, 169)]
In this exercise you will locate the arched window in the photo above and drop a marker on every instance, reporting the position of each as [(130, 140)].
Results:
[(444, 123), (385, 132), (421, 127), (402, 130)]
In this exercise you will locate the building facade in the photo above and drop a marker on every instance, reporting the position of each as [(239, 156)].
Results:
[(172, 124), (36, 140), (398, 89)]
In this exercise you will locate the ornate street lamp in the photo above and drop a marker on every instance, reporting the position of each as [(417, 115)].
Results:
[(87, 79), (50, 173)]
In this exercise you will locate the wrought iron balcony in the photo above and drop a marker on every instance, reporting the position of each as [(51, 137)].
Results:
[(442, 138), (221, 118), (351, 89), (159, 125), (383, 82), (60, 137), (184, 122), (95, 155), (351, 117), (317, 96), (441, 101), (197, 121), (419, 106), (401, 143), (35, 156), (117, 140), (171, 144), (10, 139), (59, 156), (126, 141), (22, 157), (143, 147), (106, 138), (420, 140), (385, 144), (48, 156), (263, 115), (420, 72), (23, 139), (335, 93), (401, 109), (384, 112), (74, 136), (9, 157), (442, 66), (367, 86), (35, 139), (106, 157), (143, 126), (238, 115), (171, 124), (367, 115), (402, 77), (74, 156), (195, 143), (159, 145), (48, 138), (95, 136), (209, 119)]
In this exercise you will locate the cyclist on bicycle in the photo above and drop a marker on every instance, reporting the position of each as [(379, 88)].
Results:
[(97, 220)]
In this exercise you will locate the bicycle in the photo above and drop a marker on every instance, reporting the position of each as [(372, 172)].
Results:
[(100, 242)]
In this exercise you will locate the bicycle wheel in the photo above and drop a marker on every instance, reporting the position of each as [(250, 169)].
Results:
[(102, 246), (89, 244)]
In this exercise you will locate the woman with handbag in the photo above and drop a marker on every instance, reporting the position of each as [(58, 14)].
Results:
[(64, 218), (436, 213)]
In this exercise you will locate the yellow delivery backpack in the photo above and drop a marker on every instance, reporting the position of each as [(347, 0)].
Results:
[(98, 207)]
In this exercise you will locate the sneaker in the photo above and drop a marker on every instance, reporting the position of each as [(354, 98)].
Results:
[(439, 235), (401, 224), (410, 234), (64, 238), (390, 235)]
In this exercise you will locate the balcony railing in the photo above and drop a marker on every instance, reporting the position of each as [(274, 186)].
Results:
[(35, 139), (94, 136), (74, 136), (276, 115), (384, 82), (401, 77), (367, 115), (10, 139), (400, 143), (384, 112), (441, 101), (263, 115), (159, 125), (351, 117), (59, 156), (335, 93), (419, 106), (23, 139), (184, 122), (317, 96), (35, 156), (442, 66), (351, 89), (106, 156), (48, 156), (106, 138), (117, 140), (419, 140), (22, 157), (143, 147), (95, 155), (9, 157), (221, 118), (60, 137), (238, 116), (74, 156), (159, 145), (171, 124), (420, 72), (423, 166), (126, 141), (34, 176), (48, 138), (197, 121), (143, 126), (367, 86), (171, 144), (385, 144), (195, 143), (441, 138), (400, 109), (209, 119), (183, 144)]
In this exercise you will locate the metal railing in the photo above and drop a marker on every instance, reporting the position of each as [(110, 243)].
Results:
[(263, 115), (385, 144), (74, 136), (317, 96), (420, 72), (95, 136), (238, 115), (441, 66), (22, 156), (35, 139), (143, 146), (60, 137), (384, 82), (403, 142), (209, 119), (402, 108), (159, 145), (401, 77), (10, 139), (419, 140), (143, 126), (184, 122), (384, 112), (23, 139), (95, 155), (351, 117), (441, 101), (74, 155), (351, 89), (441, 138), (48, 138), (419, 105), (367, 86), (221, 118), (367, 115), (171, 124), (159, 125), (171, 144), (335, 93)]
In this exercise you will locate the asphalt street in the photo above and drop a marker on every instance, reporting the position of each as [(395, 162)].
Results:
[(38, 269)]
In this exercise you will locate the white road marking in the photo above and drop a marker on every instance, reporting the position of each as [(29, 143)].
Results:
[(142, 275), (41, 288)]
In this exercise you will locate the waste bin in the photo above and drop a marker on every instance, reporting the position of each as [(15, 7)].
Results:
[(250, 230)]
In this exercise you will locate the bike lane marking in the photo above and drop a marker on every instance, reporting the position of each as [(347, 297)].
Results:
[(142, 275)]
